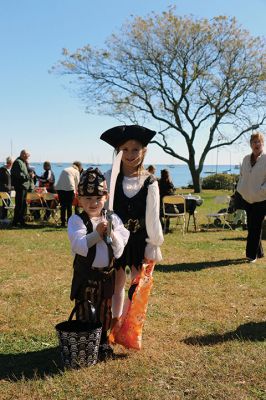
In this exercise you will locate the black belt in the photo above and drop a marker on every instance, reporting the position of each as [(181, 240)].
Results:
[(108, 269), (135, 225), (101, 273)]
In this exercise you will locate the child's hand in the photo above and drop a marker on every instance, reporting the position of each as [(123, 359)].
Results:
[(102, 228)]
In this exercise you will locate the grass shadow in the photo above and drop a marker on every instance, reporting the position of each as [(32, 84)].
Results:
[(253, 331), (241, 239), (36, 364), (197, 266), (31, 365), (43, 227)]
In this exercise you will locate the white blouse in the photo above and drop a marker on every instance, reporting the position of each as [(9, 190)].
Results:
[(131, 186), (81, 241), (252, 180)]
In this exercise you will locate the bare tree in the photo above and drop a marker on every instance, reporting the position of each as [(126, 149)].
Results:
[(199, 79)]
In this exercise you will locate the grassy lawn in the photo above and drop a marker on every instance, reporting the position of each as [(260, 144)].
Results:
[(204, 337)]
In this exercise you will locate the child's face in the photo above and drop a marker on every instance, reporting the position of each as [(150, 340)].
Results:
[(133, 153), (92, 205)]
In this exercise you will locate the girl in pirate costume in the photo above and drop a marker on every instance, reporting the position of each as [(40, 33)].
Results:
[(137, 202), (93, 276)]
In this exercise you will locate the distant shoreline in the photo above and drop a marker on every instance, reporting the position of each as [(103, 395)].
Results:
[(180, 173)]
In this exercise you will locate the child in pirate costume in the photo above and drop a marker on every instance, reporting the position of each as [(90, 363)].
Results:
[(93, 276), (137, 203)]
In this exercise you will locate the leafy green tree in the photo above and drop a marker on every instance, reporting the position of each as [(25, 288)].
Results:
[(203, 80)]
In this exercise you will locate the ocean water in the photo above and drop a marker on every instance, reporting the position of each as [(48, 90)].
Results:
[(180, 174)]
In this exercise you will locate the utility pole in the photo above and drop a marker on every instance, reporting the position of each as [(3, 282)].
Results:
[(217, 153)]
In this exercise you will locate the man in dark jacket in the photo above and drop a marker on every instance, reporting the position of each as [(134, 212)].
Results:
[(5, 184), (21, 181)]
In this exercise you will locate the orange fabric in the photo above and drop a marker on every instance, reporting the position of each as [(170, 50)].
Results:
[(128, 330)]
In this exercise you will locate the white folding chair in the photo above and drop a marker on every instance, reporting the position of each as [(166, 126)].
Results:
[(52, 205), (174, 206), (35, 205), (7, 203), (220, 218)]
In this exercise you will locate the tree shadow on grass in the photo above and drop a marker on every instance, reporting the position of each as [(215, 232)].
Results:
[(253, 331), (44, 228), (197, 266), (34, 364), (240, 239), (33, 227)]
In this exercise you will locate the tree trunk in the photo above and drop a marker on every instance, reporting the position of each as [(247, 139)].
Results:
[(195, 174)]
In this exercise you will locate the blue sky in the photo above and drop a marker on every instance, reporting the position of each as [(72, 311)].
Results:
[(39, 112)]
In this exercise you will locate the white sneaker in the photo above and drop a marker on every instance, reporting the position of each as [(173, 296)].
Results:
[(252, 260)]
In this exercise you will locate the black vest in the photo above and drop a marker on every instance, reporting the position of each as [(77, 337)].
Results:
[(131, 208), (82, 265), (132, 212)]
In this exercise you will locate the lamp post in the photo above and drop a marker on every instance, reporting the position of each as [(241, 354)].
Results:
[(217, 154)]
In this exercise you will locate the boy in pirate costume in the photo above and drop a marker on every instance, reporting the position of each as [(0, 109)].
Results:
[(93, 277)]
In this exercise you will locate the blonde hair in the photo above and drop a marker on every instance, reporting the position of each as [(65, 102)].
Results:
[(257, 136)]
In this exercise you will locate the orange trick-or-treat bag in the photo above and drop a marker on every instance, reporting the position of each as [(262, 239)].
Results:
[(128, 330)]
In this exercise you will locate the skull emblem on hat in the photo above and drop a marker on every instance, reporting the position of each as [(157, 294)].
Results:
[(92, 183)]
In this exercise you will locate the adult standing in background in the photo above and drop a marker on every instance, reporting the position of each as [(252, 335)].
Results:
[(66, 187), (5, 183), (21, 180), (166, 188), (151, 169), (252, 187), (33, 178), (47, 179)]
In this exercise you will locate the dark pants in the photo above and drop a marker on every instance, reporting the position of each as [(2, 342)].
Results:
[(20, 206), (3, 212), (255, 216), (166, 221), (65, 199)]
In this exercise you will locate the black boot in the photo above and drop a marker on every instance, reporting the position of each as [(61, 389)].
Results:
[(105, 350)]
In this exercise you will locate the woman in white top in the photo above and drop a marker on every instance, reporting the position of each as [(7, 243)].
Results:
[(252, 187), (137, 203), (66, 188)]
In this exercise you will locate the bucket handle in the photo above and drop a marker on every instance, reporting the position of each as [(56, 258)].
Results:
[(92, 310)]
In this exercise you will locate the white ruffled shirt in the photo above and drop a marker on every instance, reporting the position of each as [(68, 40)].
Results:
[(131, 186), (81, 241)]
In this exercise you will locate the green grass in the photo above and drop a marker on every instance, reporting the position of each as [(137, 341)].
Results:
[(203, 339)]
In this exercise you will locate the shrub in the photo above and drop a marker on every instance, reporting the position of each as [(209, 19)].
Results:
[(220, 181)]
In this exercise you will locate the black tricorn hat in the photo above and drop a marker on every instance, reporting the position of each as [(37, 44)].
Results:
[(120, 134)]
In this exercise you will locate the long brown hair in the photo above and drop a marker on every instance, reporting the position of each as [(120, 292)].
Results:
[(165, 175)]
